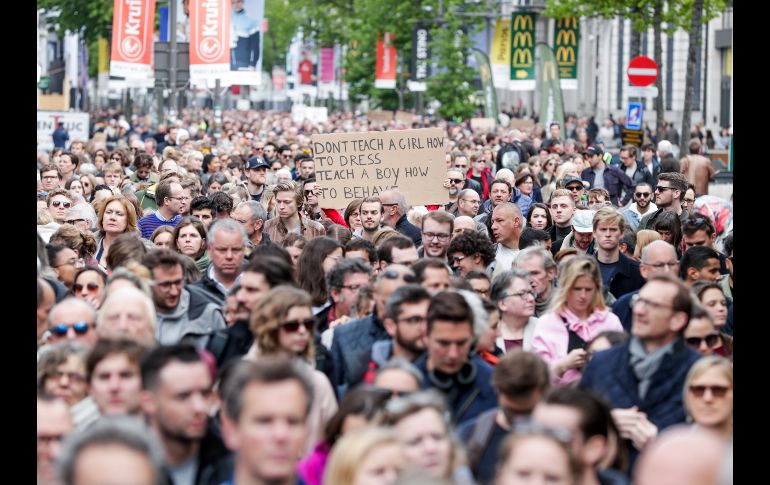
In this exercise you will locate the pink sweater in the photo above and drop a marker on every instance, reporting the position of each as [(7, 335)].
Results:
[(551, 339)]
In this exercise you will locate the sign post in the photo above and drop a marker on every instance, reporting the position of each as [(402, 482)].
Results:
[(641, 71)]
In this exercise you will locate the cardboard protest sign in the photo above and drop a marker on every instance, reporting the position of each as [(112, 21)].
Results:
[(357, 165), (482, 124), (405, 117), (380, 115), (521, 123)]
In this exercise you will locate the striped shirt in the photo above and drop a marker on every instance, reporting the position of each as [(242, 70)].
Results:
[(148, 224)]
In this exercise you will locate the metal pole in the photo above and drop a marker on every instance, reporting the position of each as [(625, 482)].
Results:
[(218, 103), (172, 61)]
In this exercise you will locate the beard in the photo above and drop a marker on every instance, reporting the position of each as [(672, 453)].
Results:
[(411, 346)]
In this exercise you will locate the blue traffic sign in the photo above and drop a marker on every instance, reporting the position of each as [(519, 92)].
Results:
[(634, 116)]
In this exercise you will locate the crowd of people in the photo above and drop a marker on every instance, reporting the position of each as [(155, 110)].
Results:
[(565, 315)]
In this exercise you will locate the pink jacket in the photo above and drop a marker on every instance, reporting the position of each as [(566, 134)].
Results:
[(551, 339)]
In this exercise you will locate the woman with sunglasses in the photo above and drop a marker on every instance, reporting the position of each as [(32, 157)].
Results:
[(577, 315), (89, 285), (708, 395), (703, 335), (283, 324), (88, 182)]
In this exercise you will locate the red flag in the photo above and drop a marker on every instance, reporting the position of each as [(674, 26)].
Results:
[(385, 75), (132, 26)]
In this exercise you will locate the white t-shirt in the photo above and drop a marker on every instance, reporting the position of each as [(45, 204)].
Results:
[(504, 259)]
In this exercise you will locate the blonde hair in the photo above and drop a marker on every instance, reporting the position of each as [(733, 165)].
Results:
[(700, 367), (569, 272), (352, 449), (43, 217), (643, 238), (610, 215)]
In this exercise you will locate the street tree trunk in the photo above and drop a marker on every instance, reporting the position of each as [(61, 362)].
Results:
[(695, 39), (635, 42), (657, 16)]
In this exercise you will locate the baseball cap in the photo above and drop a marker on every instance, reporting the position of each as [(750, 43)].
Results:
[(594, 150), (569, 180), (257, 162), (583, 220)]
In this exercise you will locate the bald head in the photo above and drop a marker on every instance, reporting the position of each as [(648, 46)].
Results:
[(70, 312), (658, 257), (682, 455), (128, 312), (462, 224)]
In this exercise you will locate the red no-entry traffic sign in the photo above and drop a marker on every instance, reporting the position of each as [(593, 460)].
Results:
[(642, 71)]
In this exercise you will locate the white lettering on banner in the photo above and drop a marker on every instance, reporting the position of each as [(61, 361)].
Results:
[(76, 124), (134, 17), (210, 46)]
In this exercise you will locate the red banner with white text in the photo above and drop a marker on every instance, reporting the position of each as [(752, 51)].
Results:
[(132, 26), (209, 39), (385, 72)]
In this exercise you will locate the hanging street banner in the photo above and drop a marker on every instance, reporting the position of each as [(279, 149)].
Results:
[(326, 64), (485, 71), (385, 69), (132, 26), (247, 25), (357, 165), (551, 102), (209, 39), (500, 55), (565, 44), (420, 70), (522, 52)]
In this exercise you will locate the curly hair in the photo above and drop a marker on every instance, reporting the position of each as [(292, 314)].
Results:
[(471, 243), (81, 242), (269, 313)]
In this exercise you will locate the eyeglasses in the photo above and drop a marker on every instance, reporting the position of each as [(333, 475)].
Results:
[(392, 392), (672, 264), (472, 201), (182, 199), (526, 426), (643, 194), (657, 306), (429, 236), (308, 192), (457, 259), (575, 187), (711, 340), (92, 287), (78, 263), (166, 285), (57, 203), (521, 294), (456, 181), (660, 188), (61, 330), (292, 326), (72, 376), (392, 274), (50, 177), (74, 221), (716, 391)]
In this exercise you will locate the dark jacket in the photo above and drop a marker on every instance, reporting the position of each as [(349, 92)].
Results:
[(466, 401), (208, 285), (642, 174), (231, 343), (627, 277), (609, 373), (614, 181), (649, 219), (622, 309), (351, 350), (472, 184), (409, 230)]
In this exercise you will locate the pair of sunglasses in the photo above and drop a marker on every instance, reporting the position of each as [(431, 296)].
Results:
[(80, 328), (292, 326)]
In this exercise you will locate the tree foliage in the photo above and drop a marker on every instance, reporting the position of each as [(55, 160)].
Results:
[(93, 18)]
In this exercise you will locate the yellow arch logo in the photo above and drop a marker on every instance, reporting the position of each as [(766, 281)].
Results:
[(566, 37), (522, 58), (522, 39), (523, 22), (565, 55)]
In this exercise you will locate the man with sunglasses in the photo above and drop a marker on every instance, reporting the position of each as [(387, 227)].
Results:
[(72, 319), (183, 312), (669, 193), (576, 189), (610, 177), (394, 215), (454, 183), (642, 204), (58, 201), (643, 378)]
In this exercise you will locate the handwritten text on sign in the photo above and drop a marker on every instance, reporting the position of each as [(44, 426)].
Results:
[(356, 165)]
